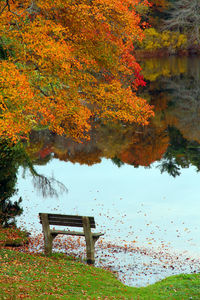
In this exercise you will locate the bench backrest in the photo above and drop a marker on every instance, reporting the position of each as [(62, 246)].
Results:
[(67, 220)]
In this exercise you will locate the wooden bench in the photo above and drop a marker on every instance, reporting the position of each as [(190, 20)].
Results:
[(73, 221)]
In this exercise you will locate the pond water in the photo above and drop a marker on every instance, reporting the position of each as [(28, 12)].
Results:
[(141, 183)]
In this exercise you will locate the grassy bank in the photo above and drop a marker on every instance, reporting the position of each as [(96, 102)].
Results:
[(34, 276)]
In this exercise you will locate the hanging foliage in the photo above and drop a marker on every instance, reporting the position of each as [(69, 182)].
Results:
[(65, 63)]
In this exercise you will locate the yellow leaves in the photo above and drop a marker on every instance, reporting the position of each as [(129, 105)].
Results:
[(21, 110), (167, 39), (15, 102), (113, 102), (181, 40), (46, 47), (72, 61)]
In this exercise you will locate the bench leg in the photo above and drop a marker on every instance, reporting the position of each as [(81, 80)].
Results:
[(48, 241), (89, 240), (90, 252)]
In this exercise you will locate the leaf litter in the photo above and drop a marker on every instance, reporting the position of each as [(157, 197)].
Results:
[(133, 265)]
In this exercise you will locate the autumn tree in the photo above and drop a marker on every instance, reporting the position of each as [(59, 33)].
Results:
[(65, 63), (155, 12)]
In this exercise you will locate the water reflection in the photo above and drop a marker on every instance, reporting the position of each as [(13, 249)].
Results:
[(130, 204), (172, 137)]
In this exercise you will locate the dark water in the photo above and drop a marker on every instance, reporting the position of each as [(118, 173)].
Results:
[(140, 183)]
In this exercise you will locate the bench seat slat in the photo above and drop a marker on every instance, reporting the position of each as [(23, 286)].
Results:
[(74, 233), (66, 232), (68, 216), (67, 220), (72, 224)]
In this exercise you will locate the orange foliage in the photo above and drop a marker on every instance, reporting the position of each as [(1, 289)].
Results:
[(82, 157), (159, 5), (68, 62), (151, 146)]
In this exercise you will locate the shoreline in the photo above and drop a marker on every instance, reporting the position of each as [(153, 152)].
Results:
[(141, 54), (135, 266)]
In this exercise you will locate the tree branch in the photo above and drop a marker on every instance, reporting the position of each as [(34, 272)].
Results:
[(6, 5)]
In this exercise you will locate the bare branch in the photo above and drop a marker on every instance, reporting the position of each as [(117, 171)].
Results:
[(47, 186), (185, 17)]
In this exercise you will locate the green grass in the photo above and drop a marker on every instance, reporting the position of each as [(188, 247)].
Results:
[(34, 276)]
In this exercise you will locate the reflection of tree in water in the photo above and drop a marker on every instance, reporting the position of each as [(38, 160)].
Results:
[(154, 68), (182, 118), (117, 161), (142, 146), (150, 145), (173, 87), (176, 101), (129, 144), (181, 153), (185, 105)]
